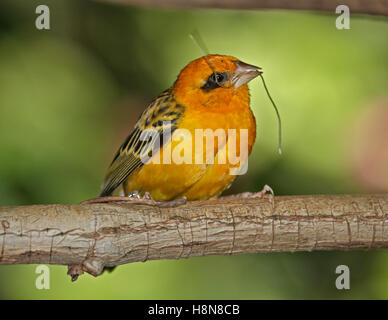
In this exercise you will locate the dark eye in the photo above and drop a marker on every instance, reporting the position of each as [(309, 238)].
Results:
[(219, 77), (214, 81)]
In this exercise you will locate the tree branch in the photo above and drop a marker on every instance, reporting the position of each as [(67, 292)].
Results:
[(378, 7), (89, 237)]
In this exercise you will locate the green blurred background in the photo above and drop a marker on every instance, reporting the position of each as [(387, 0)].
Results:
[(69, 96)]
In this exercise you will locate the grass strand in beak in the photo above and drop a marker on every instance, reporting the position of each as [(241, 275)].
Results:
[(277, 113)]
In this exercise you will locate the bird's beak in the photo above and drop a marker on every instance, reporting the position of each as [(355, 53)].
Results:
[(244, 73)]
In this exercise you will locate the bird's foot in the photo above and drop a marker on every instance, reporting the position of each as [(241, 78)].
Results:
[(265, 193), (135, 198)]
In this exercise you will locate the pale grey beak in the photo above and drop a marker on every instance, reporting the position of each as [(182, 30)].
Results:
[(244, 73)]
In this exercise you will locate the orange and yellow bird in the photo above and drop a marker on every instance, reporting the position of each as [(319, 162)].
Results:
[(210, 93)]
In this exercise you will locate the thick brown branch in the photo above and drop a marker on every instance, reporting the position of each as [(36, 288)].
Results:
[(91, 236), (379, 7)]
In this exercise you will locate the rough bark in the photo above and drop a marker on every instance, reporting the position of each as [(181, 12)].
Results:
[(378, 7), (89, 237)]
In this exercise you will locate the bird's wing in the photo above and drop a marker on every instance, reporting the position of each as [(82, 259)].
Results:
[(161, 118)]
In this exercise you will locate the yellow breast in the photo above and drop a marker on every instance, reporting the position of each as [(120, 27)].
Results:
[(191, 171)]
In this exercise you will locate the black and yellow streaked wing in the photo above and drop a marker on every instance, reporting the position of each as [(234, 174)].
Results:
[(160, 118)]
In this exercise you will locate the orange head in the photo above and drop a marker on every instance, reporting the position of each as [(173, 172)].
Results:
[(213, 80)]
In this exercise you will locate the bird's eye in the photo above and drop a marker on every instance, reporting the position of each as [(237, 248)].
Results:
[(215, 80), (219, 77)]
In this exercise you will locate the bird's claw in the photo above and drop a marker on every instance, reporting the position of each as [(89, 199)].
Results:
[(265, 193)]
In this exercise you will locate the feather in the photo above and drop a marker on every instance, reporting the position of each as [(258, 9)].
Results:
[(149, 134)]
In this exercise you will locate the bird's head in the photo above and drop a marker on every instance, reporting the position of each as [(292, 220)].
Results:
[(212, 80)]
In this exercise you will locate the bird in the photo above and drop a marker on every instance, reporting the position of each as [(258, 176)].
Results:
[(210, 92)]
